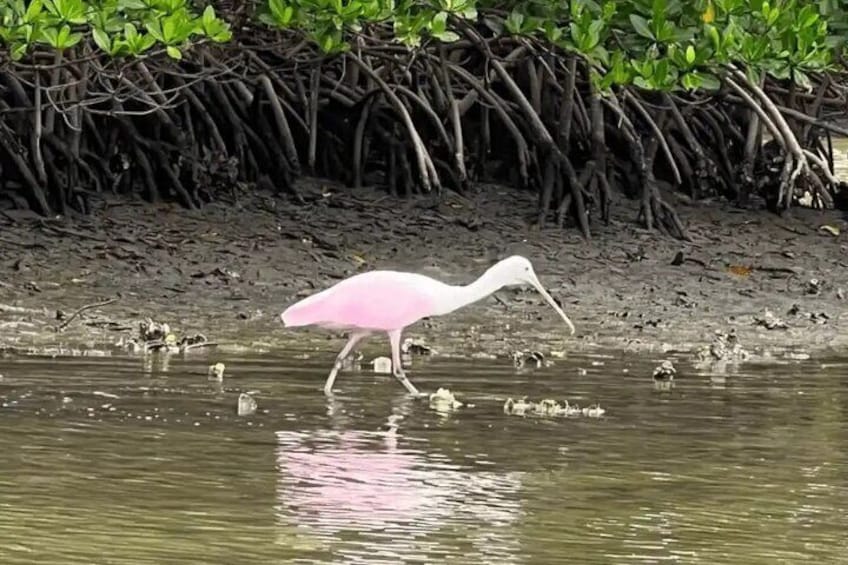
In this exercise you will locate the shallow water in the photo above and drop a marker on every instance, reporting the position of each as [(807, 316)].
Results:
[(750, 470), (840, 157)]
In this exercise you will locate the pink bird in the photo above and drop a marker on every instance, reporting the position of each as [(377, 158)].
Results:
[(389, 301)]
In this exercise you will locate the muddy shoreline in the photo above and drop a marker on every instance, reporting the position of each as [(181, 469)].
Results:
[(226, 271)]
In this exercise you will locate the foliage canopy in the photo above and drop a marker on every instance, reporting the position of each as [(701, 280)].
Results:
[(653, 44)]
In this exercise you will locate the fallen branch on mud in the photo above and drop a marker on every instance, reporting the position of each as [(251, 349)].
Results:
[(82, 309)]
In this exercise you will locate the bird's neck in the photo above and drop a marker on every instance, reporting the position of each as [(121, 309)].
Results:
[(463, 295)]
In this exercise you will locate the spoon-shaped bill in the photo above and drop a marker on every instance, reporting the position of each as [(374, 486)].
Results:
[(549, 299)]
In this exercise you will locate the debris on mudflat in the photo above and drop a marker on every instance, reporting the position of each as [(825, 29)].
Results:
[(815, 317), (683, 300), (443, 400), (189, 342), (382, 365), (246, 405), (521, 358), (665, 371), (148, 330), (832, 230), (517, 407), (770, 322), (157, 336), (411, 346), (169, 344), (724, 347), (814, 286), (216, 371), (549, 407), (818, 317)]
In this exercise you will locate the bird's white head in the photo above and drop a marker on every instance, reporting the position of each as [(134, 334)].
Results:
[(517, 270)]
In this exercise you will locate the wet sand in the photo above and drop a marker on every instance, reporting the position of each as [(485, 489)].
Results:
[(228, 270)]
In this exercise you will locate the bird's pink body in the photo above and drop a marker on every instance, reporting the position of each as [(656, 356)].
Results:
[(389, 301), (375, 301)]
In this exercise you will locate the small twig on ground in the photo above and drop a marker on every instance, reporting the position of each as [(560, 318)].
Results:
[(82, 309)]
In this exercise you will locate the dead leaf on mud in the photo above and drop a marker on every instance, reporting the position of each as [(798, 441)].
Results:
[(358, 259), (740, 270), (832, 230)]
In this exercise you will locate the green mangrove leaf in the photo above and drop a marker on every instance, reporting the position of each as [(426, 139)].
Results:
[(446, 36), (439, 24), (18, 51), (33, 11), (691, 81), (640, 25), (101, 39), (514, 22), (50, 36), (154, 28), (132, 4), (643, 83), (130, 32)]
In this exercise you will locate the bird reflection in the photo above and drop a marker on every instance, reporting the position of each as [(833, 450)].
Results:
[(364, 496)]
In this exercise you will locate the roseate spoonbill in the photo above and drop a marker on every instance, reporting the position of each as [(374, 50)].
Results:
[(389, 301)]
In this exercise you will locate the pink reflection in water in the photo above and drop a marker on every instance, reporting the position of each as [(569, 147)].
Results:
[(361, 482)]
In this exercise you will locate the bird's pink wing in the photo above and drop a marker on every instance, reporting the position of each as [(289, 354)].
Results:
[(379, 302)]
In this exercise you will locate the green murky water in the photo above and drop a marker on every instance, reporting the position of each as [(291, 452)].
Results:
[(752, 470)]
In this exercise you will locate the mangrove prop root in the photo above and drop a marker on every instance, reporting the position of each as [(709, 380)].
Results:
[(359, 144), (313, 115), (658, 133), (428, 175), (790, 141), (249, 117), (282, 123), (599, 153)]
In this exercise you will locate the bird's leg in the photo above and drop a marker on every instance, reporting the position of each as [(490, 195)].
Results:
[(351, 343), (397, 367)]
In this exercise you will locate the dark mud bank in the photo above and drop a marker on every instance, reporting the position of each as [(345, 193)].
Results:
[(228, 270)]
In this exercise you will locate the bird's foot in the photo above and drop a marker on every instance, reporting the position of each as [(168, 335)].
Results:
[(401, 377)]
